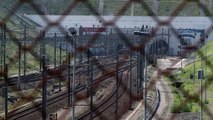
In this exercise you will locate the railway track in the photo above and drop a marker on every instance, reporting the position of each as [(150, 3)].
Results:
[(109, 101), (34, 77), (20, 113), (35, 108)]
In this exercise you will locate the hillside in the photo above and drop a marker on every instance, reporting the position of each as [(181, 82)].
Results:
[(110, 7), (191, 87)]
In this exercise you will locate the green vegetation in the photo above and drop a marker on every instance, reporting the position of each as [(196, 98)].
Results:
[(33, 63), (110, 7), (192, 88)]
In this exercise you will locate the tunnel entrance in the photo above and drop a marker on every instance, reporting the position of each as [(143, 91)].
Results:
[(159, 47)]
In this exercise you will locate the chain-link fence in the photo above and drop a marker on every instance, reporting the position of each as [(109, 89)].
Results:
[(40, 63)]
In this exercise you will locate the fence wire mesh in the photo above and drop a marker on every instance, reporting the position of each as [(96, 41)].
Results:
[(30, 44)]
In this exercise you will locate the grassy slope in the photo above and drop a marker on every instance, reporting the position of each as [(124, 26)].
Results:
[(192, 88), (32, 63), (110, 7)]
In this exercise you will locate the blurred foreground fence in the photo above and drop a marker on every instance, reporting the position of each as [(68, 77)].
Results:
[(29, 42)]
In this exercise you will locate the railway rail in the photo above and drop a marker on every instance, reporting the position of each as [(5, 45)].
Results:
[(109, 100), (34, 77), (23, 112)]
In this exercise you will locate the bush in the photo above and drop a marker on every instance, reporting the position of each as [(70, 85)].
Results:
[(195, 108), (175, 106), (206, 101), (186, 108), (174, 90)]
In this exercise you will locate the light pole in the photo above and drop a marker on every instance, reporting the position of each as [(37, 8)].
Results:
[(130, 81), (44, 89), (145, 80), (6, 91), (145, 34), (91, 84), (69, 79), (117, 83), (73, 32)]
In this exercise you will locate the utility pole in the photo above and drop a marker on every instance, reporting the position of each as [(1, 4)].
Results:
[(117, 85), (19, 66), (91, 85), (55, 51), (88, 72), (6, 91), (130, 81), (1, 60), (60, 53), (69, 80), (203, 2), (138, 73), (73, 79), (141, 71), (4, 43), (40, 52), (25, 57), (44, 90), (155, 7), (145, 79)]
